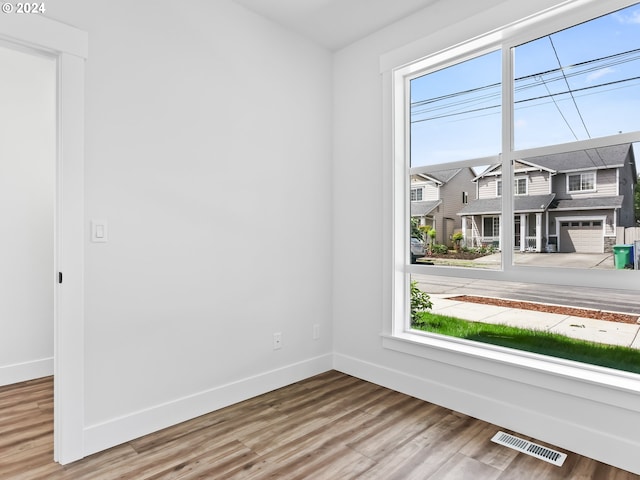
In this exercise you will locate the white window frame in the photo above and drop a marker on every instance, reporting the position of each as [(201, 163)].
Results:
[(397, 334), (417, 189), (526, 185), (493, 218), (581, 174)]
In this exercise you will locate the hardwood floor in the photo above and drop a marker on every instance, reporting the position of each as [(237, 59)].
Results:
[(331, 426)]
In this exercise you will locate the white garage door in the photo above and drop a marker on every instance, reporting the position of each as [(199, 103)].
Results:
[(581, 237)]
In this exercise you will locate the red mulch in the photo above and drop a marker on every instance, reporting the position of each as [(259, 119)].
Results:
[(539, 307)]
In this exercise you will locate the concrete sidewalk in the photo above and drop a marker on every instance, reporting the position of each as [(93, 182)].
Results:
[(612, 333)]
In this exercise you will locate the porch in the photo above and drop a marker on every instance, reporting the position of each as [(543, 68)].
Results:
[(486, 230)]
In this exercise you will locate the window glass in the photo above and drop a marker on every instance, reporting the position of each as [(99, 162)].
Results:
[(538, 318), (456, 218), (566, 211), (462, 98), (580, 83)]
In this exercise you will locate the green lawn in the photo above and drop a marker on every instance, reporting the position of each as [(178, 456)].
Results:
[(537, 341)]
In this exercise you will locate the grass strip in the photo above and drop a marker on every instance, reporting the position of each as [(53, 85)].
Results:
[(530, 340)]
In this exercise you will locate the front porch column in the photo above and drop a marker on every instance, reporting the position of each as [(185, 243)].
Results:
[(464, 232), (523, 232), (539, 232)]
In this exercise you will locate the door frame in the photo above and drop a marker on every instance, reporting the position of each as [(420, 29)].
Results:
[(70, 46)]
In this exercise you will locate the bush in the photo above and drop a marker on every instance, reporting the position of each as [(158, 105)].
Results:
[(439, 248), (420, 302)]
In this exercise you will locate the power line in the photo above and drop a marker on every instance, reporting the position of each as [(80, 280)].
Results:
[(559, 110), (570, 91), (538, 74), (540, 97)]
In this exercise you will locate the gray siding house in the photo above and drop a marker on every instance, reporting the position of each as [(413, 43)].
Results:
[(437, 197), (570, 202)]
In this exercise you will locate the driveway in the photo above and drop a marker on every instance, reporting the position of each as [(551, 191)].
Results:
[(568, 260)]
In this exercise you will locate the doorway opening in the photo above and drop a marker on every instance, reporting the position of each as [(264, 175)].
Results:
[(28, 91)]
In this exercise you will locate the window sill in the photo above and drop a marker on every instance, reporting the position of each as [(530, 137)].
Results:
[(563, 376)]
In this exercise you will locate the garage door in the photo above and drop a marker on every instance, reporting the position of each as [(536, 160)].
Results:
[(581, 237)]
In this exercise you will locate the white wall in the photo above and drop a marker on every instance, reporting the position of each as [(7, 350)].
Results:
[(204, 123), (574, 415), (27, 165)]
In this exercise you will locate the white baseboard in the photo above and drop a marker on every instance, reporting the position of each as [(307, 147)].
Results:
[(581, 439), (119, 430), (21, 372)]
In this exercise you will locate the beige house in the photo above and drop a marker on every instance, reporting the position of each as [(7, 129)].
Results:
[(570, 202), (437, 197)]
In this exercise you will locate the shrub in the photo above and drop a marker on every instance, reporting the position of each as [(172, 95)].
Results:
[(420, 302), (439, 248)]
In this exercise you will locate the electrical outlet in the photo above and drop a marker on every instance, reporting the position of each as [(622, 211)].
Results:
[(316, 331), (277, 341)]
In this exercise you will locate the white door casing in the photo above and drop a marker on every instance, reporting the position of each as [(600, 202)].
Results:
[(69, 45)]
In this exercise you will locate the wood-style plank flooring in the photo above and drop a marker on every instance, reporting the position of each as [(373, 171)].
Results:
[(332, 426)]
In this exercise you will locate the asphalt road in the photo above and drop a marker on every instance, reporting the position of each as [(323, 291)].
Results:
[(596, 298)]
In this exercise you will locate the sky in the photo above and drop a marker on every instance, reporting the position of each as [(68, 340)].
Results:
[(595, 93)]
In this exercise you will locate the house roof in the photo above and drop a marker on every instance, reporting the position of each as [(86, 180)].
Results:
[(613, 156), (589, 159), (420, 209), (522, 204), (444, 176), (590, 203), (441, 176)]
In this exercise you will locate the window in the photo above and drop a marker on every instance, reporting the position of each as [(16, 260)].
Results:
[(416, 194), (520, 186), (581, 182), (491, 227), (568, 114)]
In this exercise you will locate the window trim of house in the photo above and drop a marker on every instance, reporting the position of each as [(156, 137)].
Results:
[(419, 189), (396, 333), (517, 179), (582, 190)]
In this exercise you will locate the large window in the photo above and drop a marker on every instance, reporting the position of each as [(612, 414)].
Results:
[(554, 114), (581, 182)]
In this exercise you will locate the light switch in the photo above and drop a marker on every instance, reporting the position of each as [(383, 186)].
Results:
[(99, 231)]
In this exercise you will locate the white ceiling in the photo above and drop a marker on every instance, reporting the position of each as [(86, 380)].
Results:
[(335, 24)]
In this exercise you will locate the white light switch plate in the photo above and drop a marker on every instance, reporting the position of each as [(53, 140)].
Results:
[(99, 232)]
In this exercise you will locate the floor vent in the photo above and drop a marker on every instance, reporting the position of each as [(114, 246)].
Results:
[(525, 446)]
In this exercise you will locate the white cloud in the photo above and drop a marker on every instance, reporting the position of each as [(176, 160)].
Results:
[(599, 73), (630, 18)]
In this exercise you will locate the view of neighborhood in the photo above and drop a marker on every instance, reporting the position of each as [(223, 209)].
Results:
[(572, 205), (577, 202)]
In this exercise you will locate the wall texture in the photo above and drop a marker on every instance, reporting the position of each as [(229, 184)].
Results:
[(204, 126), (27, 166)]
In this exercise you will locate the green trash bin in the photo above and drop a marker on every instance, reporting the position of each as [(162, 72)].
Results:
[(622, 256)]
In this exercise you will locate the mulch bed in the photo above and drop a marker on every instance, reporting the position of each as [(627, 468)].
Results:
[(456, 255), (539, 307)]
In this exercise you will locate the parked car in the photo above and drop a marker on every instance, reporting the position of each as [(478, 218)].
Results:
[(417, 249)]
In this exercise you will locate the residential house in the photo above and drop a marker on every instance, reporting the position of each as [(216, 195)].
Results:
[(437, 197), (570, 202)]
